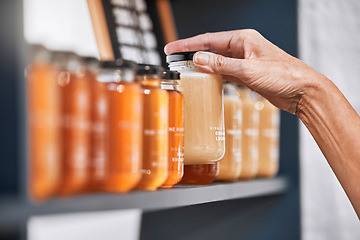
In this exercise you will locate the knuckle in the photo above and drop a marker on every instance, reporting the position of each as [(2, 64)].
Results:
[(186, 46), (252, 35), (252, 32), (252, 42), (207, 41), (219, 63)]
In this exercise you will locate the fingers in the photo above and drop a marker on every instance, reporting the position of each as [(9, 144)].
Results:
[(214, 63), (220, 42)]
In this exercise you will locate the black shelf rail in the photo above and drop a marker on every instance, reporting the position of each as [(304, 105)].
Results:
[(13, 211)]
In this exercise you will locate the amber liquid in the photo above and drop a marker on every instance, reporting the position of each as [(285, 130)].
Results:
[(99, 134), (155, 139), (76, 132), (269, 140), (204, 139), (201, 174), (125, 136), (250, 136), (176, 139), (44, 108), (230, 164)]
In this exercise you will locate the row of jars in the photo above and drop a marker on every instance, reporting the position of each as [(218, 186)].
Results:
[(250, 127), (116, 126)]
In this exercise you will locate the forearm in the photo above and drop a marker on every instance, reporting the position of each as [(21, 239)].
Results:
[(335, 126)]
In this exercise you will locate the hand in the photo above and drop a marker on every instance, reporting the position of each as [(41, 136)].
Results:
[(247, 58)]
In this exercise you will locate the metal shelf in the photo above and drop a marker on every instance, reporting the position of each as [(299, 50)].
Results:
[(14, 210)]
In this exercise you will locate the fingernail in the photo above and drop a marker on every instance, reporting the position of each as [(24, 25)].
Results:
[(201, 58)]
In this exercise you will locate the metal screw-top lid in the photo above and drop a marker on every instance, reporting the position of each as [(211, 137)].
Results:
[(147, 69), (171, 75), (118, 63), (180, 56)]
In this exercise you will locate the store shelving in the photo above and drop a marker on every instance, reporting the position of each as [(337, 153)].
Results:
[(15, 210)]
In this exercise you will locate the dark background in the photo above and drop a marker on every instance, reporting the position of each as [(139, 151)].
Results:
[(9, 102)]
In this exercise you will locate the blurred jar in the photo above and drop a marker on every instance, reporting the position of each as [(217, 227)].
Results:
[(176, 128), (124, 125), (99, 124), (44, 138), (230, 164), (250, 135), (76, 115), (268, 138), (155, 128), (204, 139), (200, 174)]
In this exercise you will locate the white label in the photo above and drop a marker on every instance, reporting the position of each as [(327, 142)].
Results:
[(219, 133), (252, 132), (233, 131), (270, 133), (153, 132)]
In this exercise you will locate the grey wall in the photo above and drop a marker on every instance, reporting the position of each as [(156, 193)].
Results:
[(329, 41)]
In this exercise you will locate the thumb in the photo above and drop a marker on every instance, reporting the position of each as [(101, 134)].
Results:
[(215, 63)]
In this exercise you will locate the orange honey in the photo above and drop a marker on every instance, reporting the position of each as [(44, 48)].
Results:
[(155, 128), (230, 164), (268, 139), (176, 129), (250, 136), (200, 174), (124, 126), (76, 115), (44, 108), (99, 130)]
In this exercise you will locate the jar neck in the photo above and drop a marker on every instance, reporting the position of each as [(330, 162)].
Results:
[(40, 54), (92, 66), (230, 89), (149, 80), (182, 65), (244, 93), (169, 85), (116, 75)]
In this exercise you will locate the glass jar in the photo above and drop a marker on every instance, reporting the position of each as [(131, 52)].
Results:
[(176, 128), (155, 128), (98, 127), (230, 164), (200, 174), (250, 135), (204, 139), (268, 138), (76, 115), (44, 132), (124, 129)]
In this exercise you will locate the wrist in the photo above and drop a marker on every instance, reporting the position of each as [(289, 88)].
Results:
[(316, 96)]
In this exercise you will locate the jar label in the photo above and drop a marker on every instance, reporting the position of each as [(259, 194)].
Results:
[(270, 133), (219, 133)]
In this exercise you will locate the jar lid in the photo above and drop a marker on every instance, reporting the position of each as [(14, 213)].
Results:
[(118, 63), (171, 75), (180, 56), (147, 69), (89, 59)]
